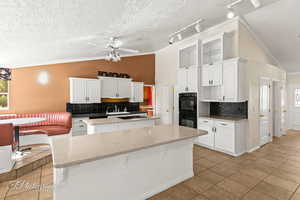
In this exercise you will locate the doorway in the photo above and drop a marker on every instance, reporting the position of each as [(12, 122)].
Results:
[(164, 103)]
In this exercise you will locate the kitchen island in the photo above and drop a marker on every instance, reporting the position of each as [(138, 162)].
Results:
[(131, 164), (119, 123)]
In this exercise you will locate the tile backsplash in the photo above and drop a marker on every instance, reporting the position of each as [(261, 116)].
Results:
[(229, 109)]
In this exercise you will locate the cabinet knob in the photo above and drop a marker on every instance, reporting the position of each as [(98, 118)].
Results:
[(186, 89)]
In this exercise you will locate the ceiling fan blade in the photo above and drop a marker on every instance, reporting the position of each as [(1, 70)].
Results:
[(129, 50)]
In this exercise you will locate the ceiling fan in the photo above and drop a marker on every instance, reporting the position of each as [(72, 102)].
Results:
[(114, 47)]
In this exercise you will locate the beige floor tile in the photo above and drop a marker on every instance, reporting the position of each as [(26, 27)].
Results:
[(251, 171), (200, 197), (218, 157), (296, 197), (47, 169), (3, 189), (203, 162), (48, 195), (182, 192), (287, 175), (224, 170), (211, 177), (233, 187), (161, 196), (217, 193), (254, 195), (244, 179), (28, 195), (198, 184), (286, 184), (274, 191)]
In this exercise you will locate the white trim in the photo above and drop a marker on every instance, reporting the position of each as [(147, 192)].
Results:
[(76, 60), (293, 73), (243, 21), (253, 149)]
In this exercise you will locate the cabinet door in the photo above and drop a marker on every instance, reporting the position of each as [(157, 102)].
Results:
[(217, 74), (93, 91), (192, 79), (124, 88), (77, 90), (230, 78), (209, 139), (182, 80), (225, 136), (206, 75), (109, 88)]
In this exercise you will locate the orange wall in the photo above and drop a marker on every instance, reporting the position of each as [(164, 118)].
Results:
[(27, 95)]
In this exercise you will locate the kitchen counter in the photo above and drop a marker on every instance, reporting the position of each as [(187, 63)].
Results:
[(223, 118), (139, 162), (103, 115), (76, 150), (102, 121)]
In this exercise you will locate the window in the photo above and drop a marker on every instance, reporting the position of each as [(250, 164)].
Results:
[(3, 94), (297, 97)]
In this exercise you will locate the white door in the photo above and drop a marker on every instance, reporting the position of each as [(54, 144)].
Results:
[(206, 75), (192, 79), (109, 88), (229, 88), (164, 104), (124, 88), (225, 136), (77, 90), (217, 74), (93, 91), (265, 112)]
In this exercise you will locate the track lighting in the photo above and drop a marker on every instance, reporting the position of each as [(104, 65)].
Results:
[(230, 13), (171, 40), (256, 3), (198, 28), (179, 36)]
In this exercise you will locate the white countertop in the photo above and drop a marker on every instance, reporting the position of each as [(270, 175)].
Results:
[(102, 121), (70, 151), (223, 118)]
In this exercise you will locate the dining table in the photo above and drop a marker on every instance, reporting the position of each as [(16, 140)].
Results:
[(17, 122)]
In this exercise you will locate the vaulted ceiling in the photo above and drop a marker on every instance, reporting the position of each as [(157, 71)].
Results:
[(50, 31)]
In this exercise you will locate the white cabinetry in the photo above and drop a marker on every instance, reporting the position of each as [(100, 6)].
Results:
[(115, 87), (188, 79), (233, 87), (137, 92), (78, 126), (225, 136), (212, 75), (84, 90)]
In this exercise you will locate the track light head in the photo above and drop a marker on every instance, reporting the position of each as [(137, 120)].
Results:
[(179, 36), (230, 14), (198, 28), (256, 3), (171, 40)]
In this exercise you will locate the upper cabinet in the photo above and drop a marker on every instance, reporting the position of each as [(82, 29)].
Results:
[(233, 86), (216, 49), (137, 92), (187, 79), (212, 75), (84, 90), (189, 56), (115, 87)]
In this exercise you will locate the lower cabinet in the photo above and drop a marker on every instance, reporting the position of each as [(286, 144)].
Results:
[(226, 136), (79, 127)]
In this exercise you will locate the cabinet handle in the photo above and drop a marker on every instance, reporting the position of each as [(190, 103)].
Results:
[(223, 98), (81, 126), (223, 124), (205, 121), (212, 82), (186, 89)]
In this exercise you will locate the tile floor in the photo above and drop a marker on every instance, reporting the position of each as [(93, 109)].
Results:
[(271, 173)]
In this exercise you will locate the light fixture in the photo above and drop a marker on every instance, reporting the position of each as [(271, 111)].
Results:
[(230, 13), (43, 77), (179, 36), (256, 3), (198, 27), (5, 74), (171, 40), (113, 56)]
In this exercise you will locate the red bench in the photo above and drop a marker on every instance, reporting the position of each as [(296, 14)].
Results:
[(57, 123)]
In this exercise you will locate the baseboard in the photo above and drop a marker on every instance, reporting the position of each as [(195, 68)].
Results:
[(166, 186), (253, 149)]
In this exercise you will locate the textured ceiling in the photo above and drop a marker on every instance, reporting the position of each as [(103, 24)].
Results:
[(36, 32), (278, 25)]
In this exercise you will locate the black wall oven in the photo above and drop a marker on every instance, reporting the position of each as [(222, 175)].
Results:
[(188, 109)]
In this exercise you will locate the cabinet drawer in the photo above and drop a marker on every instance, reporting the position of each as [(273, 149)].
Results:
[(205, 121), (225, 124)]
